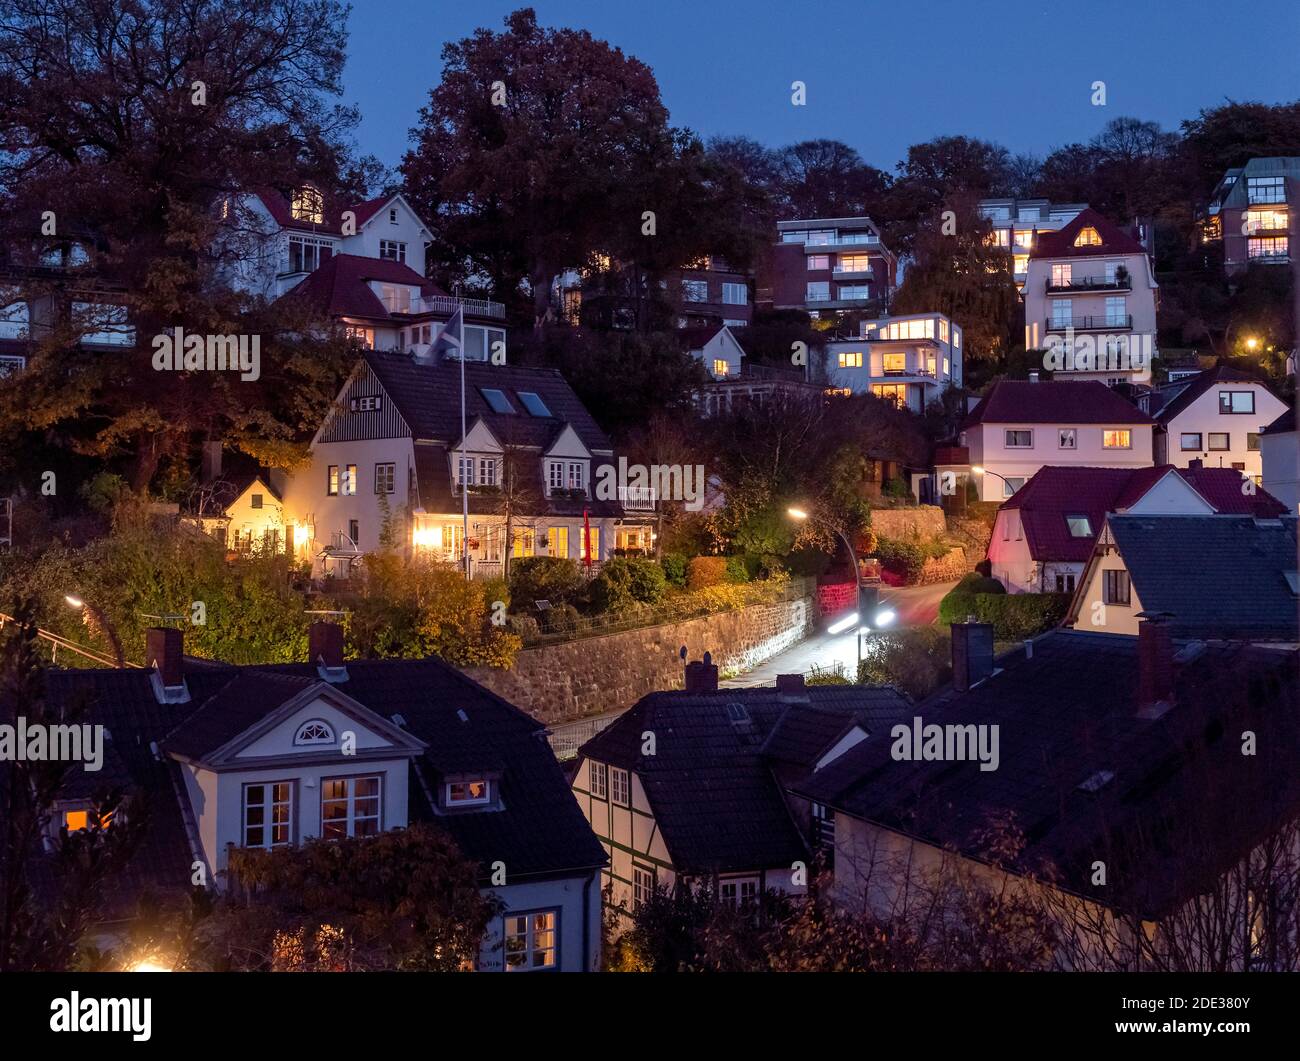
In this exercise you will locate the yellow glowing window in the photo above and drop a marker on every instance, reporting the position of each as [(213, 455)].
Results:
[(719, 367), (895, 362), (1088, 237), (76, 820), (557, 541), (523, 543), (851, 359), (894, 392), (308, 205), (589, 539), (1117, 439), (1021, 262)]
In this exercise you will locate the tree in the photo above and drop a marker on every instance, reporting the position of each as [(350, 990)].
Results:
[(42, 928), (827, 178), (126, 124), (525, 153)]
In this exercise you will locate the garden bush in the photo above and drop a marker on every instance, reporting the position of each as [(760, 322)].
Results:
[(907, 558), (675, 566), (737, 569), (707, 571), (917, 660), (1015, 616), (534, 578), (560, 619), (625, 581)]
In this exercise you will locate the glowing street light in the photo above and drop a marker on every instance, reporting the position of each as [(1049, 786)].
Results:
[(1252, 343), (97, 620), (147, 966)]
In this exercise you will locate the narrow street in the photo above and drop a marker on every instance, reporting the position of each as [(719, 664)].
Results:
[(914, 605)]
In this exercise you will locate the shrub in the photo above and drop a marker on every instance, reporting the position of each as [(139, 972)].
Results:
[(1015, 616), (534, 578), (895, 488), (560, 619), (985, 568), (901, 557), (675, 568), (977, 583), (917, 660), (625, 581), (707, 571), (737, 569)]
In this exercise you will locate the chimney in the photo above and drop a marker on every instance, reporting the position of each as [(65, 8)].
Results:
[(1155, 665), (702, 675), (1033, 377), (325, 645), (163, 649), (790, 688), (972, 654), (210, 468), (1195, 463)]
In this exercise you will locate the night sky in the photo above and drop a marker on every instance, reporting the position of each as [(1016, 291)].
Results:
[(880, 76)]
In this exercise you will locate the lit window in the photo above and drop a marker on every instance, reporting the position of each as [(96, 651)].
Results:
[(1080, 526), (268, 814), (851, 359), (557, 542), (1088, 237), (349, 483), (77, 820), (590, 544), (530, 941), (349, 806), (720, 367), (332, 481), (314, 732), (468, 793), (1120, 438), (308, 205), (854, 263), (620, 786), (893, 392), (599, 778), (1116, 587), (895, 362), (1270, 248), (363, 335), (818, 261)]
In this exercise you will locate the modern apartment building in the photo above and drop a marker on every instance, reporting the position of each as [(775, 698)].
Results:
[(1250, 212), (827, 265), (1090, 300), (708, 292), (908, 360), (1017, 223)]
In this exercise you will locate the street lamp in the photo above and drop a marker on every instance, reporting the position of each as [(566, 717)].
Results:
[(867, 597), (979, 469), (1252, 343), (97, 620)]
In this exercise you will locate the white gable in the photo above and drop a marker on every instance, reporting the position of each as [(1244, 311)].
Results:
[(280, 740), (568, 444), (853, 737), (1172, 495), (479, 439)]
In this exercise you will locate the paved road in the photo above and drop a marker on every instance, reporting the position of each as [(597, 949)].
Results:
[(915, 605)]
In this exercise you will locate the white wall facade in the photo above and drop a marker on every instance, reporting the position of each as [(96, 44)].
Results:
[(1204, 432)]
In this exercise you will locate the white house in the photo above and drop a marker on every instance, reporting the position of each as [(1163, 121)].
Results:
[(1019, 427), (1279, 452), (909, 360), (1215, 417), (388, 466), (269, 757)]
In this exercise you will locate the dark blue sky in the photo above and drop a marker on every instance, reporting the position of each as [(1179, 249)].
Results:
[(880, 75)]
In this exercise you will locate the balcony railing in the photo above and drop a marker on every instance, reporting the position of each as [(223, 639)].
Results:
[(1092, 324), (473, 307), (1269, 258), (1091, 283), (853, 274), (638, 498)]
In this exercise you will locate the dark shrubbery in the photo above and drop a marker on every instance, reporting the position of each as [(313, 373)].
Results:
[(625, 581), (534, 578), (1015, 616), (675, 567)]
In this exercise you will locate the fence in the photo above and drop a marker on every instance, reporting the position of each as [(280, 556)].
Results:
[(568, 737)]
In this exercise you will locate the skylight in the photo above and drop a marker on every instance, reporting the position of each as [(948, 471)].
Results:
[(497, 400), (534, 404), (1293, 580), (1096, 782), (1080, 526), (737, 713)]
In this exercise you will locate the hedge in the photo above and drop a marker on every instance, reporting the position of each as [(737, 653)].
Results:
[(907, 558), (707, 571), (1015, 616), (674, 565), (624, 581), (534, 578)]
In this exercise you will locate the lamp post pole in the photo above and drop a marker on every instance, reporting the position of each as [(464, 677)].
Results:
[(857, 579)]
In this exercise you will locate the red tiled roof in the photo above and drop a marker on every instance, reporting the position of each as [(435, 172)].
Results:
[(365, 211), (698, 337), (1187, 391), (1012, 401), (1060, 244), (279, 208), (1056, 492), (339, 288)]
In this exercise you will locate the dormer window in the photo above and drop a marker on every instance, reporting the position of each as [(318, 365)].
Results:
[(392, 217), (316, 731), (1088, 237), (472, 793), (308, 205)]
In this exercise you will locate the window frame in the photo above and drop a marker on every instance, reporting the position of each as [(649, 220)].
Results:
[(1183, 436), (479, 801), (350, 799), (268, 805), (1227, 441), (617, 774), (1113, 580), (529, 937), (598, 780), (1127, 432), (1007, 432), (386, 476), (1227, 408)]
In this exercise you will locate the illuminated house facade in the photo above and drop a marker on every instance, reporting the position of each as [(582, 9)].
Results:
[(1017, 223), (1250, 213), (827, 265), (387, 465), (909, 360)]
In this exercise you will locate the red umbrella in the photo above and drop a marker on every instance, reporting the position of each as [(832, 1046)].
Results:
[(586, 538)]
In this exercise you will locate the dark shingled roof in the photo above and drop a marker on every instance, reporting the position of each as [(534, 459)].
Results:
[(1218, 576), (1060, 244), (340, 287), (1283, 424), (710, 782), (540, 832), (1179, 396), (1183, 803), (1012, 401)]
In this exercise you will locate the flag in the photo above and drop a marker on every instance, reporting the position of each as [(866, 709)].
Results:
[(586, 538), (450, 341)]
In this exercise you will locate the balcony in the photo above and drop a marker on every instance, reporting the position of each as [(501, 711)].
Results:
[(638, 498), (1269, 258), (1079, 284), (853, 274), (1092, 324)]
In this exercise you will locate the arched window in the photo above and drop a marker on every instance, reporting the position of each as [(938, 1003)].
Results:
[(314, 731)]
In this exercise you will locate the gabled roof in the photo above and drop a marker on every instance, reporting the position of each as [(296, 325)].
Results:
[(1282, 425), (697, 338), (1065, 402), (1055, 492), (1187, 391), (340, 287), (1060, 244), (1218, 576), (539, 831), (710, 782), (1067, 714)]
